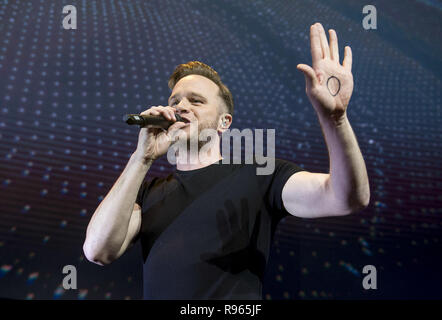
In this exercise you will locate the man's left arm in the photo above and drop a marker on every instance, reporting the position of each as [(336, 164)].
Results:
[(329, 86)]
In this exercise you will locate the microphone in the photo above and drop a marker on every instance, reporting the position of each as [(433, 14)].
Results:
[(144, 120)]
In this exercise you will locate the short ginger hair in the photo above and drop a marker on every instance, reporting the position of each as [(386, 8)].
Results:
[(202, 69)]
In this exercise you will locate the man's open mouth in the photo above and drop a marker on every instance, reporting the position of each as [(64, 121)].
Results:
[(185, 120)]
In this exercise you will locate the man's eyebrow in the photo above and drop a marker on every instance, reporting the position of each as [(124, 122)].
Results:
[(197, 95), (173, 97), (190, 94)]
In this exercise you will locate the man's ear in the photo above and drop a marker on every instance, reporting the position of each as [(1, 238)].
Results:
[(224, 122)]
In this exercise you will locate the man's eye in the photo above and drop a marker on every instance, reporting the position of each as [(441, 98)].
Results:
[(197, 101)]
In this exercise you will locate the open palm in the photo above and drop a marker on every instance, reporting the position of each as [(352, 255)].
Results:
[(329, 84)]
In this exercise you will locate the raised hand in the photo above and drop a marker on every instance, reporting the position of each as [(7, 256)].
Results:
[(329, 84)]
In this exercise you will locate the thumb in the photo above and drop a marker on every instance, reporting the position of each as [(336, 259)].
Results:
[(309, 73), (174, 130)]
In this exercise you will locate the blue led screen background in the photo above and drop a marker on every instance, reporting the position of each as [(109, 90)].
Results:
[(63, 143)]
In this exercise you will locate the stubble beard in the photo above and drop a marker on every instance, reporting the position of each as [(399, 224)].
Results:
[(211, 124), (189, 143)]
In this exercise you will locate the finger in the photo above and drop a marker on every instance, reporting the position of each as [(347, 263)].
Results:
[(334, 48), (176, 134), (348, 58), (151, 111), (176, 126), (152, 129), (309, 73), (166, 113), (170, 112), (315, 45), (324, 42), (173, 110)]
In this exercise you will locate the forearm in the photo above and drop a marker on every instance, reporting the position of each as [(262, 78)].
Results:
[(348, 175), (109, 224)]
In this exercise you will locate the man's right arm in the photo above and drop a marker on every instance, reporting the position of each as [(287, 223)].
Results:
[(117, 220)]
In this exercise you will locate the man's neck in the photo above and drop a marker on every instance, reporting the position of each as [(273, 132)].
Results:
[(192, 162)]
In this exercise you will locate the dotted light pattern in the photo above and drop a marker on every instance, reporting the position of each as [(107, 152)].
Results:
[(63, 144)]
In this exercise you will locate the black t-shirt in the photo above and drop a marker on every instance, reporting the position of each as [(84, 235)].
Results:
[(207, 233)]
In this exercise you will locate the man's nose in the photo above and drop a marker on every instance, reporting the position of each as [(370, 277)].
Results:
[(182, 106)]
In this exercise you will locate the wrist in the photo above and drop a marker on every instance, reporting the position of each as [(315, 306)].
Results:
[(335, 119), (140, 158)]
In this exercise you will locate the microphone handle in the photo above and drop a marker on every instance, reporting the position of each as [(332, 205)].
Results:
[(158, 121)]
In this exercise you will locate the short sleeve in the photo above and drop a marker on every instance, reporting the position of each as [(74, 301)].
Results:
[(140, 194), (145, 185), (274, 183)]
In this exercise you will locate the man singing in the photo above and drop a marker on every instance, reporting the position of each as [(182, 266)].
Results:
[(207, 228)]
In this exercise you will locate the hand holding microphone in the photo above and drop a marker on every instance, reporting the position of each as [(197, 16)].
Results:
[(158, 125), (148, 119)]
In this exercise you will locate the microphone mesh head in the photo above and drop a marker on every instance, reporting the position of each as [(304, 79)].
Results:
[(178, 117)]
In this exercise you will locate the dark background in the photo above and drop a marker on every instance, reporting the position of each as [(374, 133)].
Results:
[(63, 143)]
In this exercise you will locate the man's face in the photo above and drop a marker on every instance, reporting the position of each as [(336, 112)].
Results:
[(196, 98)]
